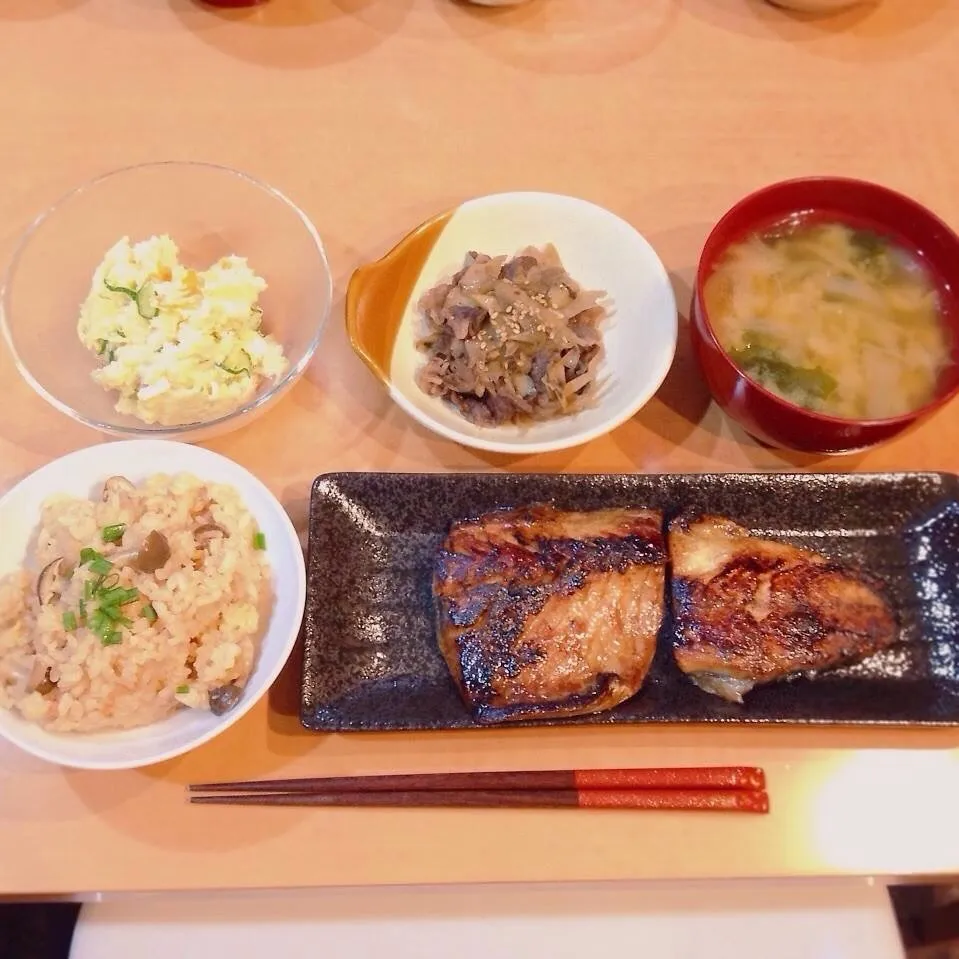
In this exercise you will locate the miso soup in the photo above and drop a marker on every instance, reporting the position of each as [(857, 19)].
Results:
[(839, 320)]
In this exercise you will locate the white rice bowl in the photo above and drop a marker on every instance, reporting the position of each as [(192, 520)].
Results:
[(81, 474)]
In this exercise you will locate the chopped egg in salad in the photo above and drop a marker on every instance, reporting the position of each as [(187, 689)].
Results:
[(179, 345)]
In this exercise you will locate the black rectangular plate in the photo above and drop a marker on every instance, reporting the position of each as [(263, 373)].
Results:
[(371, 660)]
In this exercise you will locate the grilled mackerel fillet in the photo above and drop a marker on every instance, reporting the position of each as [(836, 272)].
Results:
[(751, 610), (544, 613)]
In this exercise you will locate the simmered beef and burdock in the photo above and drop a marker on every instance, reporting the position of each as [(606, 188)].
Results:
[(511, 340)]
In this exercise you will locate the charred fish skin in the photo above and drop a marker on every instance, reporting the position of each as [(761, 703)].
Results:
[(750, 610), (522, 596)]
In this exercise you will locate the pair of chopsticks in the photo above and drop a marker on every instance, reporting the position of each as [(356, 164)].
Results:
[(708, 788)]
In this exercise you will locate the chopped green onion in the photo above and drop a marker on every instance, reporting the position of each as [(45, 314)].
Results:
[(118, 596), (97, 562), (100, 566), (114, 533), (259, 540), (182, 689), (115, 615), (125, 290), (107, 617), (69, 621), (112, 613), (101, 347), (149, 613), (232, 370)]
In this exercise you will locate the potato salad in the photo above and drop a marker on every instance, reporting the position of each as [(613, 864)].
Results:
[(179, 345)]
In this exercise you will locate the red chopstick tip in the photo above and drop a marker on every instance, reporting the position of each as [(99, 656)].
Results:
[(701, 800), (680, 777), (756, 801)]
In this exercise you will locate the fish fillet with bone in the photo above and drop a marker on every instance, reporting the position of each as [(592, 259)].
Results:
[(545, 613), (750, 610)]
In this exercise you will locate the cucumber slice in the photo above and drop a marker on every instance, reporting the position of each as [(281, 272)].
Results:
[(238, 363), (145, 298), (125, 290), (147, 302)]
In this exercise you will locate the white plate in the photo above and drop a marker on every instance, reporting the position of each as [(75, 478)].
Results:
[(79, 474), (600, 251)]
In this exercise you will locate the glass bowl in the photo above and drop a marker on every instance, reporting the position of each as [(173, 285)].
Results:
[(209, 211)]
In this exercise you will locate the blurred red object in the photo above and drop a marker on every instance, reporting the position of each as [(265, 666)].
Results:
[(231, 3)]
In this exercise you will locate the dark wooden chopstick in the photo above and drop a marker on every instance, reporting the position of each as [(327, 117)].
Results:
[(707, 788), (695, 778), (705, 800)]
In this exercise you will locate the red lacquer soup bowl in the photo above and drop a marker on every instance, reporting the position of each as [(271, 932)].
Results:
[(769, 417)]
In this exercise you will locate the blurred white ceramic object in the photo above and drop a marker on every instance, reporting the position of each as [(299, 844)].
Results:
[(824, 919)]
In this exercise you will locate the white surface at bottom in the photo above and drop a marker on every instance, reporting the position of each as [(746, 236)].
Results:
[(745, 920)]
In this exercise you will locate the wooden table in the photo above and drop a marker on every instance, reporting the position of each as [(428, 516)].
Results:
[(374, 114)]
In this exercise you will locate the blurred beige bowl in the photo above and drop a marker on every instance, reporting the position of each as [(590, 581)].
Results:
[(209, 211)]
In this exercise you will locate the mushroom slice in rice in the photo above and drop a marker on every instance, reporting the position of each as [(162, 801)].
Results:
[(205, 534), (224, 698), (51, 579), (148, 557)]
